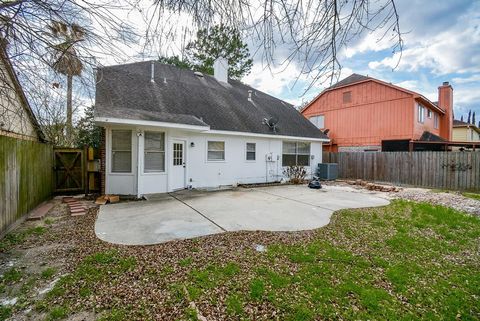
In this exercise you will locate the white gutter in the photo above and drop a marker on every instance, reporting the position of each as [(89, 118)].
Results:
[(232, 133), (203, 129)]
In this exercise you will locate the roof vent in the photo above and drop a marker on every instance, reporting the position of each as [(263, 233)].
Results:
[(446, 83), (250, 95), (152, 73), (198, 74)]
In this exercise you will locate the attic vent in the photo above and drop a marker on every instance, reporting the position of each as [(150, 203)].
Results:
[(198, 74)]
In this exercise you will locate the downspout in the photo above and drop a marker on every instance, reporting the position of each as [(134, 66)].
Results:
[(139, 133)]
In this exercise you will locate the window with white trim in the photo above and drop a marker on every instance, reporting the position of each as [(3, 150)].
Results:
[(121, 151), (318, 121), (251, 151), (435, 120), (429, 113), (421, 114), (295, 153), (154, 152), (216, 151)]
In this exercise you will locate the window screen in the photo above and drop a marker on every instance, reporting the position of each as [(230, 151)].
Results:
[(121, 151), (154, 151), (296, 153), (216, 151), (251, 151)]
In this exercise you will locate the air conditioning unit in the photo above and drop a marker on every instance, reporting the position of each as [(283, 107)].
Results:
[(327, 171)]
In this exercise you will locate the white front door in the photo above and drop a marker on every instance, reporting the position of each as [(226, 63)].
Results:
[(178, 172)]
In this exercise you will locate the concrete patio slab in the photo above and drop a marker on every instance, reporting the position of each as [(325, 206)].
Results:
[(189, 214), (150, 222)]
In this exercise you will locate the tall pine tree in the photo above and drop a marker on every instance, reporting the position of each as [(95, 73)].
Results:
[(220, 41)]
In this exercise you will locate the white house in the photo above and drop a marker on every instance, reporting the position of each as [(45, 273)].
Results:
[(168, 128)]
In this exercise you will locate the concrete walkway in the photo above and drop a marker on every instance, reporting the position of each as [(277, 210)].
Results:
[(189, 214)]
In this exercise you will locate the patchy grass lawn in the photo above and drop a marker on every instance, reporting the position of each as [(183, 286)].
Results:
[(406, 261)]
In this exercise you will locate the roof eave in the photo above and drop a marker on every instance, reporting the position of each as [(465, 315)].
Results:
[(429, 103), (103, 121)]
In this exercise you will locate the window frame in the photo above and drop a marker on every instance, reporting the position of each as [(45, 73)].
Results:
[(145, 151), (254, 152), (297, 153), (112, 152), (347, 97), (209, 150), (435, 120), (421, 114), (429, 113)]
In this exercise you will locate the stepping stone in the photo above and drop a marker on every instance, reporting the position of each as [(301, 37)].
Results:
[(40, 211)]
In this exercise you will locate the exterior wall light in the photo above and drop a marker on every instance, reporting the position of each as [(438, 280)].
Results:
[(192, 144)]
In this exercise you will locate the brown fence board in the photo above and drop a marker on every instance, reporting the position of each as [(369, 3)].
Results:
[(442, 170), (25, 178)]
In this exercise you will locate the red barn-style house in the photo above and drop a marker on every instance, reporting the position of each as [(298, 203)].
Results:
[(366, 114)]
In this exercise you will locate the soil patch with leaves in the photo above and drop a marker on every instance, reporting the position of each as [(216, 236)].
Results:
[(403, 261)]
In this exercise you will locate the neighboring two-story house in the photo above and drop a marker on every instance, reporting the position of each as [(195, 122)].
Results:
[(366, 114), (465, 132)]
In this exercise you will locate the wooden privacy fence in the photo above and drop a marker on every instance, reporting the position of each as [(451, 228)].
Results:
[(25, 177), (443, 170)]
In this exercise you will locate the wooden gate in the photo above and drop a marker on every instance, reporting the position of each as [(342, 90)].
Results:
[(69, 170)]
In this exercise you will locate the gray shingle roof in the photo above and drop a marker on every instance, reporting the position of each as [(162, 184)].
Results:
[(429, 137), (460, 123), (180, 96), (353, 78)]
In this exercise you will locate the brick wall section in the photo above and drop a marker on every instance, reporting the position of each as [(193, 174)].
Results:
[(102, 162)]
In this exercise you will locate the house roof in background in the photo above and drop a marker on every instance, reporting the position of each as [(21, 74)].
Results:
[(352, 79), (429, 137), (357, 78), (180, 96), (19, 90), (459, 123)]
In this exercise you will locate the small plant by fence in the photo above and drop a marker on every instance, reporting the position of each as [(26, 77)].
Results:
[(442, 170)]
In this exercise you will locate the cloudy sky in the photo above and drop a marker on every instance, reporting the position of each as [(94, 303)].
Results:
[(441, 43)]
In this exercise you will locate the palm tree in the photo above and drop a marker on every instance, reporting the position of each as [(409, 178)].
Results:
[(66, 60)]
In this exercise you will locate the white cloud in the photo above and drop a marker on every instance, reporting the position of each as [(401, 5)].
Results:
[(454, 50), (287, 81), (373, 41), (466, 80)]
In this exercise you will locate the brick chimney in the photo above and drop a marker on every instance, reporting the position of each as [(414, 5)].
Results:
[(445, 102)]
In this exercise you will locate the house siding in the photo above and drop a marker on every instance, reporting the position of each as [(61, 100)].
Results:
[(427, 125), (376, 112), (14, 119), (201, 173)]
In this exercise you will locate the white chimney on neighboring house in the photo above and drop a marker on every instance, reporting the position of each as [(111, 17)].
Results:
[(220, 69)]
